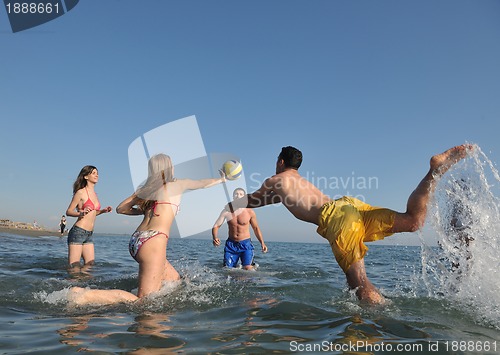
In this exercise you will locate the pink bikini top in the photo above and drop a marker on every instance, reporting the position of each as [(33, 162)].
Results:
[(90, 204), (165, 203)]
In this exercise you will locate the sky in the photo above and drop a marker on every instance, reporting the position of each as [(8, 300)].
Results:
[(367, 90)]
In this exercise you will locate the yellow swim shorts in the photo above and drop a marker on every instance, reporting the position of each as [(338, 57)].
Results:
[(348, 222)]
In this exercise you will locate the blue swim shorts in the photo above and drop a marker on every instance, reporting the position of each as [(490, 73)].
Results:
[(238, 250), (79, 236)]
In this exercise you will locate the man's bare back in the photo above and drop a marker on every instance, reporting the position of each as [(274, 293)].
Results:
[(299, 196)]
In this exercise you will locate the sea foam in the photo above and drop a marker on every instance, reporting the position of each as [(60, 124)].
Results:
[(465, 214)]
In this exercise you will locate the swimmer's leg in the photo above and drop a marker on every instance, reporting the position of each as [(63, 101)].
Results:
[(247, 257), (357, 280), (88, 253), (81, 296), (169, 273)]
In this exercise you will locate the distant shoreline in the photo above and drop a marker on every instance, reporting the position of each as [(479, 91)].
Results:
[(30, 232)]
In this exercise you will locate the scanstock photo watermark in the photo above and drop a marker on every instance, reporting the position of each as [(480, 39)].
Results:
[(182, 141), (363, 346), (24, 15)]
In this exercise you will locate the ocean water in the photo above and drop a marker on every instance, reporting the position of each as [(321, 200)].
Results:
[(296, 300), (442, 300)]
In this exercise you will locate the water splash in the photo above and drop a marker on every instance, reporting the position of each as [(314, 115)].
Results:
[(465, 214), (201, 288), (54, 297)]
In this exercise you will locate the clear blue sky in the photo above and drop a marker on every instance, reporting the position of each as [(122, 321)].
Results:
[(363, 88)]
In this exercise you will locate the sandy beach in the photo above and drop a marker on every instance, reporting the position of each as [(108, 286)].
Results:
[(29, 232), (19, 228)]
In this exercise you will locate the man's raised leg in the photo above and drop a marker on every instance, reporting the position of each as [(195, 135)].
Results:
[(416, 209)]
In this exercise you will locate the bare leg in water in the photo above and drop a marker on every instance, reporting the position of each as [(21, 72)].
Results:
[(410, 221), (81, 296)]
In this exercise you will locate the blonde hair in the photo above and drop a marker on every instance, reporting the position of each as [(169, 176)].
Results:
[(160, 172)]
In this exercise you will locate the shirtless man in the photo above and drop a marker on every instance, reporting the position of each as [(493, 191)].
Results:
[(347, 222), (238, 244)]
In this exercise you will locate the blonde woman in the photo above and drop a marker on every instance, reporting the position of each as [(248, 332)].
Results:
[(158, 200), (86, 207)]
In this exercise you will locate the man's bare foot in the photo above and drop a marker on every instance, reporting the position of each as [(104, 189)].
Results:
[(440, 163)]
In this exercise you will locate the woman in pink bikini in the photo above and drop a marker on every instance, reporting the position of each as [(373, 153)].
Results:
[(158, 200), (84, 205)]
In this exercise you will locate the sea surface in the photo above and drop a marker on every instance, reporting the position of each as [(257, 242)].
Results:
[(296, 300), (441, 299)]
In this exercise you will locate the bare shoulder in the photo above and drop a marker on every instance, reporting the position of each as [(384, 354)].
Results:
[(225, 214), (179, 184), (274, 180), (284, 179), (80, 193)]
